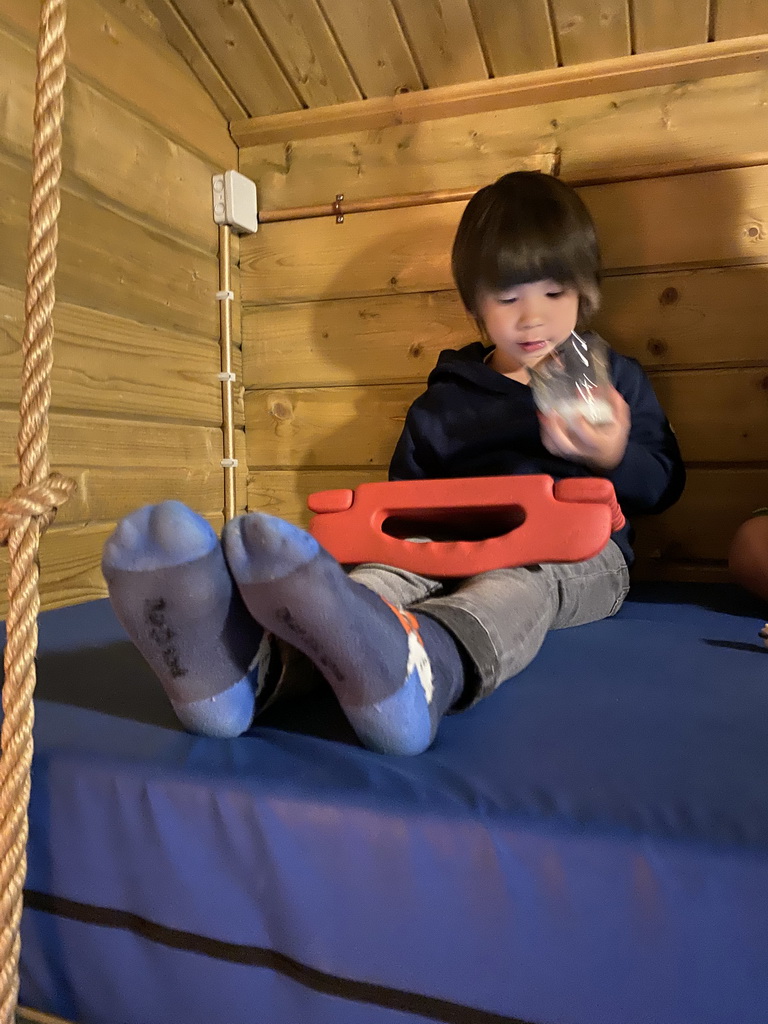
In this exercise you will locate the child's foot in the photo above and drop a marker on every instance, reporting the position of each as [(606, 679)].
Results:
[(394, 674), (172, 592)]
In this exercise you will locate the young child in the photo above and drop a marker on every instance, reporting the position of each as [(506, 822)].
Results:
[(228, 626)]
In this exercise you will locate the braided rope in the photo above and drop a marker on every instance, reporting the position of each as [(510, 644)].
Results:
[(25, 516)]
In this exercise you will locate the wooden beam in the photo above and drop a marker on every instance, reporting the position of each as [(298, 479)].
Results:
[(705, 60), (632, 134)]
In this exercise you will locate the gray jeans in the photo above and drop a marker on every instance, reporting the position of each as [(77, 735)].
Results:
[(499, 618)]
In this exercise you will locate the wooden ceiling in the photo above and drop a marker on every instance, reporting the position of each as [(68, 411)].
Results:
[(259, 57)]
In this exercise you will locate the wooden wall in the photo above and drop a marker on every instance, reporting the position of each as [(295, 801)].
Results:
[(136, 405), (341, 323)]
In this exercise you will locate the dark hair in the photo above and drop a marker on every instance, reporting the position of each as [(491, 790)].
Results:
[(526, 227)]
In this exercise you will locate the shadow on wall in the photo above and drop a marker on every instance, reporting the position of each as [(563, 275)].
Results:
[(375, 344), (368, 332), (680, 296)]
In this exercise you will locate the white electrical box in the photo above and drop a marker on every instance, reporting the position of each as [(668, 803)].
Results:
[(235, 202)]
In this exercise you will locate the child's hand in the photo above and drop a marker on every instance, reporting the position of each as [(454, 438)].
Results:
[(599, 447)]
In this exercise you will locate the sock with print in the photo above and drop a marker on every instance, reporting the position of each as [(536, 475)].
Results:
[(172, 591), (394, 673)]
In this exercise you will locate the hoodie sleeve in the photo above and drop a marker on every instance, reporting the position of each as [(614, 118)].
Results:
[(651, 476), (405, 463)]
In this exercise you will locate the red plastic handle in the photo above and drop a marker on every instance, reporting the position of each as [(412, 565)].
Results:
[(489, 522), (591, 489), (331, 501)]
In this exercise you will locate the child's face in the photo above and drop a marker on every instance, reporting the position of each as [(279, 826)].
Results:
[(526, 322)]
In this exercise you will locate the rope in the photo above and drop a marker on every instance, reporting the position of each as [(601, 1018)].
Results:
[(31, 507)]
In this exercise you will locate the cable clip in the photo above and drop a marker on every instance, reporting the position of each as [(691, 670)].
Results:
[(229, 463), (226, 296), (226, 375)]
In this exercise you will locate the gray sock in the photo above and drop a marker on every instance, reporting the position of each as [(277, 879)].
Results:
[(394, 673), (170, 588)]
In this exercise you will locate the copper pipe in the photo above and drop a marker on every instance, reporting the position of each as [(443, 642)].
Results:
[(227, 393), (342, 208)]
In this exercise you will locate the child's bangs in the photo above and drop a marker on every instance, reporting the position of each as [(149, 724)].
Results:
[(526, 227), (515, 264), (531, 243)]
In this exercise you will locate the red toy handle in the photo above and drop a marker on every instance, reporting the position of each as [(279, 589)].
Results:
[(467, 526), (588, 489)]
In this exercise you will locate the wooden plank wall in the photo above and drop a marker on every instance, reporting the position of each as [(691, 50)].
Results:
[(136, 411), (341, 323)]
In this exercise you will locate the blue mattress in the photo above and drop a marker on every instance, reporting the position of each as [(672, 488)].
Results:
[(587, 846)]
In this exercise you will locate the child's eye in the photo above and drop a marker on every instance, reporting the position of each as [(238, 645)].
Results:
[(555, 293)]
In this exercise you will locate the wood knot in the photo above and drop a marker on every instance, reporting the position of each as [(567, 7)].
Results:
[(416, 349), (764, 384), (657, 347), (669, 296), (281, 409)]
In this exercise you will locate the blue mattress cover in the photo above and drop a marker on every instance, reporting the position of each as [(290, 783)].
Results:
[(587, 846)]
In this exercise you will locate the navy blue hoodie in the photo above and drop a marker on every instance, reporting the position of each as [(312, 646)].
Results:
[(474, 421)]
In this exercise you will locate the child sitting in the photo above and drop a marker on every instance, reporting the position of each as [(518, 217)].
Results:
[(228, 626)]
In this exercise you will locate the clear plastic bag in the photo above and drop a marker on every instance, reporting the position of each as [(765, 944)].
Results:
[(574, 381)]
